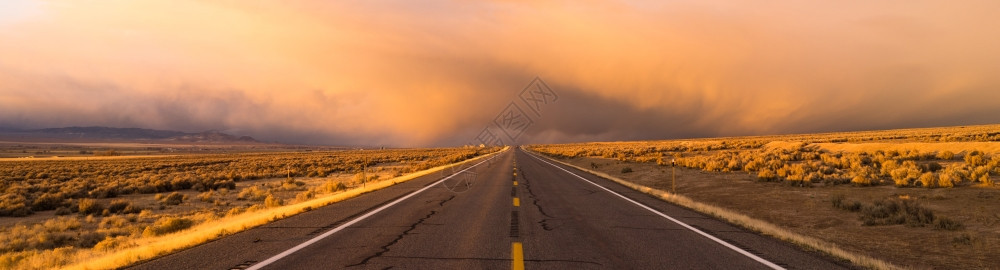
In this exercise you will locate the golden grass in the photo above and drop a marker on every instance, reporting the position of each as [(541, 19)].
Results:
[(149, 248), (924, 147), (84, 157), (747, 222)]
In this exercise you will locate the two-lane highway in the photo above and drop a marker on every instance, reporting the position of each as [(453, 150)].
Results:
[(520, 211)]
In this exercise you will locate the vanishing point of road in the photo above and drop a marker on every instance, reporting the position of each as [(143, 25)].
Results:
[(514, 210)]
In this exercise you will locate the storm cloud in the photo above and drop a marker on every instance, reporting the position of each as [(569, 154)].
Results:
[(432, 73)]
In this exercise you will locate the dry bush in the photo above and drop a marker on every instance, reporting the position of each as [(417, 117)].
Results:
[(928, 180), (114, 222), (894, 212), (948, 224), (47, 201), (14, 205), (767, 174), (90, 207), (946, 155), (252, 193), (272, 201), (305, 196), (861, 181), (173, 198), (330, 186), (207, 196), (113, 243), (975, 158), (167, 225)]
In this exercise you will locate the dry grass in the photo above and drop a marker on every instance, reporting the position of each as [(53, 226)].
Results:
[(954, 147), (748, 222), (158, 246)]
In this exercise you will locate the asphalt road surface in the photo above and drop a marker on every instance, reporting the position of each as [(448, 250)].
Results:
[(513, 211)]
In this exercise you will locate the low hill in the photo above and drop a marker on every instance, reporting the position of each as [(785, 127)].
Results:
[(97, 133)]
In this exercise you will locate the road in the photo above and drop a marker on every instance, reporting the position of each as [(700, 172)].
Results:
[(514, 211)]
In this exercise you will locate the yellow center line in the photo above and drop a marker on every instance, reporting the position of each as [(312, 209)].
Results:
[(517, 255), (517, 202), (515, 183)]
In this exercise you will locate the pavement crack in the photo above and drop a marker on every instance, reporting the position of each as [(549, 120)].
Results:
[(534, 201), (442, 202), (385, 248)]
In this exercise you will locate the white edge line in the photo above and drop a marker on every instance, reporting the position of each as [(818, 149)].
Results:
[(305, 244), (689, 227)]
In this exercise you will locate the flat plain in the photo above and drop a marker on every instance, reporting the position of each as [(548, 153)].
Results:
[(66, 206), (915, 198)]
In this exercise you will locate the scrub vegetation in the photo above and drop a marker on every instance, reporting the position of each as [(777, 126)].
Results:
[(54, 213), (883, 190)]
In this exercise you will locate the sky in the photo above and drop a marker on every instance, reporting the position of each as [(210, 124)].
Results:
[(437, 73)]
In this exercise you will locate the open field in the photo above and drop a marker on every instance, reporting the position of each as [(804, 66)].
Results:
[(59, 212), (918, 198)]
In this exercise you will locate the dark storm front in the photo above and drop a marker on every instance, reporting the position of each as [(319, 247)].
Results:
[(508, 126)]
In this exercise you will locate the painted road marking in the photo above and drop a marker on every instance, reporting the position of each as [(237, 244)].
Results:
[(517, 256), (517, 202), (709, 236), (515, 183), (271, 260)]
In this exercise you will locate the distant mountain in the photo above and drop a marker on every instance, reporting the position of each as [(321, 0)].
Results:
[(132, 134), (212, 136), (110, 133)]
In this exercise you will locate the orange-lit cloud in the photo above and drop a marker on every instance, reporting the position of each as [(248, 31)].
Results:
[(434, 73)]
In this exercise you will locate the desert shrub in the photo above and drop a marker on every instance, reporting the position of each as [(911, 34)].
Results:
[(839, 202), (47, 201), (980, 174), (173, 198), (330, 186), (62, 211), (305, 196), (120, 206), (946, 155), (861, 181), (113, 222), (14, 205), (931, 167), (767, 174), (273, 201), (975, 158), (89, 239), (947, 180), (944, 223), (62, 224), (928, 180), (90, 206), (902, 177), (627, 170), (894, 212), (111, 243), (167, 225), (207, 196), (964, 239), (888, 166), (252, 193), (104, 192)]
